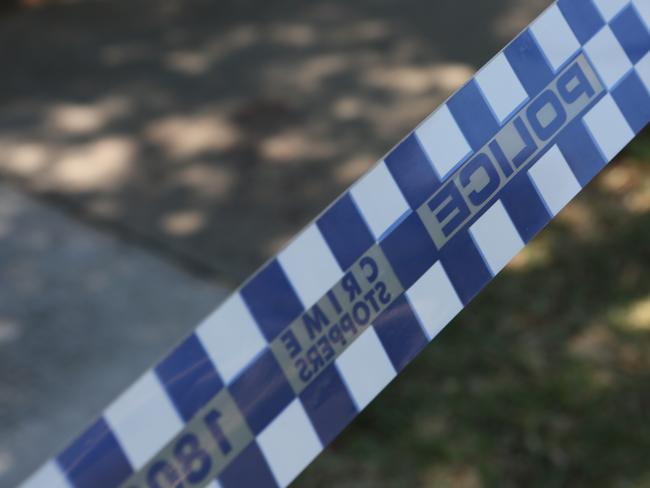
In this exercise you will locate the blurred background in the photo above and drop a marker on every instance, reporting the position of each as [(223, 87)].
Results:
[(153, 154)]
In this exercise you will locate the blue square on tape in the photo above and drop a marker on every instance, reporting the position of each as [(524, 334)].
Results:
[(400, 333), (328, 404), (271, 300), (633, 99), (583, 17), (249, 468), (529, 63), (465, 266), (262, 391), (409, 250), (631, 32), (580, 151), (345, 231), (189, 377), (95, 459), (524, 206), (412, 171), (473, 116)]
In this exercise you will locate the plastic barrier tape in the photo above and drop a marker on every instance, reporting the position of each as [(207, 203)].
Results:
[(276, 372)]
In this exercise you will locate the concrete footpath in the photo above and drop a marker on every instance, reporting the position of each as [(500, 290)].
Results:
[(81, 315)]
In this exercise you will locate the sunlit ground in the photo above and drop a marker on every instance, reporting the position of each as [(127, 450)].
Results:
[(543, 380)]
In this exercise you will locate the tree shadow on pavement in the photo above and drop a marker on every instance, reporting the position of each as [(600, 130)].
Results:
[(216, 130)]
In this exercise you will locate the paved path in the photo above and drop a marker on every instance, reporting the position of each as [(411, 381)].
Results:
[(81, 315)]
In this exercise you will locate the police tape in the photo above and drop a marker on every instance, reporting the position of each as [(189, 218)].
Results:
[(276, 372)]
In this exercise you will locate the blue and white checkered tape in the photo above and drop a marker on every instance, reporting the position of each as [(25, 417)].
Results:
[(277, 371)]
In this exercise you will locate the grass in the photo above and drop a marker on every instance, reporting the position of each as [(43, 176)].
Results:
[(543, 380)]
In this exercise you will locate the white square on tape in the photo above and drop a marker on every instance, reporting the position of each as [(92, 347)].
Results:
[(231, 337), (554, 180), (608, 57), (643, 69), (434, 300), (643, 7), (310, 266), (555, 37), (501, 87), (289, 443), (48, 476), (443, 140), (379, 199), (609, 8), (143, 419), (365, 368), (608, 127), (497, 237)]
